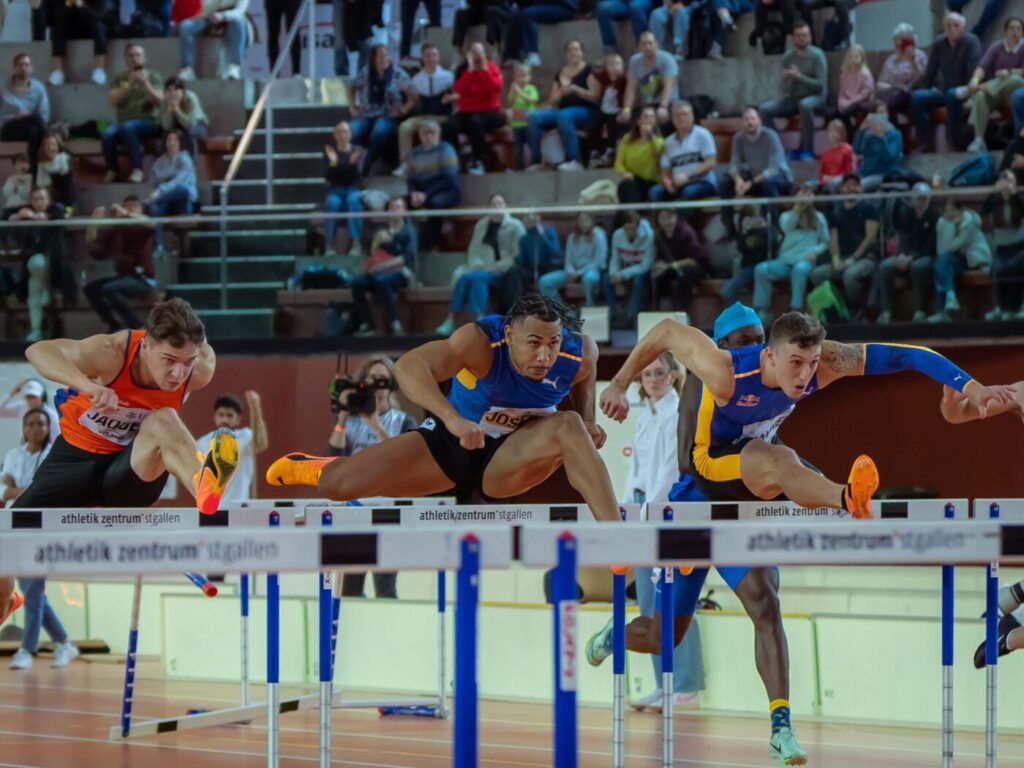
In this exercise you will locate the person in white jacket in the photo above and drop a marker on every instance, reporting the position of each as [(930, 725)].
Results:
[(961, 245), (653, 469), (630, 260), (229, 14)]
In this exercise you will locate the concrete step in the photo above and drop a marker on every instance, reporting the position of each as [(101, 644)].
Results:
[(286, 164), (295, 139), (240, 269), (257, 323), (302, 115), (255, 242), (261, 295)]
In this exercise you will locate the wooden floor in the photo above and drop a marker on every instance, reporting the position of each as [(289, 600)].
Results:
[(60, 718)]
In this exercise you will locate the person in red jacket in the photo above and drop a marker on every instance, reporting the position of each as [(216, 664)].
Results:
[(478, 92), (836, 160)]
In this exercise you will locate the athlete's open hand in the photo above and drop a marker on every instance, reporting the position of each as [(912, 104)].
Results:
[(598, 435), (614, 403), (471, 435), (103, 399), (989, 399)]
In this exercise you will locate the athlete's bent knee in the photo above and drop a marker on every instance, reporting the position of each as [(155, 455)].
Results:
[(160, 419), (568, 426), (762, 606)]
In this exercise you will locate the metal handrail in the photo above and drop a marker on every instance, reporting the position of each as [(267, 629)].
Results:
[(250, 130)]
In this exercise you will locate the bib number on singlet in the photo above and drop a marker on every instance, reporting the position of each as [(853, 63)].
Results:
[(766, 430), (500, 421), (118, 426)]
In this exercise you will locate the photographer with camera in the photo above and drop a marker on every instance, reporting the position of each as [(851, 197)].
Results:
[(367, 416)]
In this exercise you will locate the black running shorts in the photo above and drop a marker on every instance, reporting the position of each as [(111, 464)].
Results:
[(463, 467), (731, 487), (72, 477)]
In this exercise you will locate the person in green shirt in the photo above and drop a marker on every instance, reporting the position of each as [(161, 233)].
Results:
[(523, 98), (637, 157), (804, 88), (136, 95)]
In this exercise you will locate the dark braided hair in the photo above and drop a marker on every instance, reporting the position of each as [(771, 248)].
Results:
[(544, 308)]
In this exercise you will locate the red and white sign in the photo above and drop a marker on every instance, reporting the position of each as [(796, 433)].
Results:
[(568, 612)]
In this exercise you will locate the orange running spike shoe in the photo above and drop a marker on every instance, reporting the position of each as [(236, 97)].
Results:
[(298, 469), (860, 487), (17, 600), (218, 467)]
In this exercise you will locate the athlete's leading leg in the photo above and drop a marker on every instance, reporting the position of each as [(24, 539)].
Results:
[(758, 591), (532, 453), (8, 603)]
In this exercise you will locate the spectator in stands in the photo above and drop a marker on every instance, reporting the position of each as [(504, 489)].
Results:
[(492, 13), (228, 15), (951, 61), (409, 18), (680, 261), (181, 110), (836, 160), (18, 187), (24, 108), (651, 80), (1000, 72), (901, 70), (344, 188), (523, 99), (1004, 215), (630, 262), (586, 258), (43, 264), (433, 180), (674, 12), (173, 176), (478, 92), (430, 98), (1013, 156), (853, 245), (638, 158), (804, 88), (353, 22), (837, 31), (752, 241), (388, 268), (688, 159), (527, 17), (572, 104), (856, 87), (610, 11), (136, 95), (130, 249), (29, 395), (879, 144), (993, 10), (804, 238), (757, 165), (55, 171), (606, 130), (286, 10), (540, 253), (493, 249), (915, 223), (961, 245), (772, 39), (375, 98), (723, 19), (74, 19)]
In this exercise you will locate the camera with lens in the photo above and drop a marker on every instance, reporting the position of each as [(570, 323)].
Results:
[(361, 397)]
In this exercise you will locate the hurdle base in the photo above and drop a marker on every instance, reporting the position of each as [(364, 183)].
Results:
[(397, 704)]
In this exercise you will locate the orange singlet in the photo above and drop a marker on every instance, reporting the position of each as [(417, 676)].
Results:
[(104, 433)]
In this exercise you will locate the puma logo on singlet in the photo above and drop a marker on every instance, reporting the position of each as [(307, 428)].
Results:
[(551, 383)]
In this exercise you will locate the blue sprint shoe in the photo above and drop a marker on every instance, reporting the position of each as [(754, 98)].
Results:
[(786, 748), (599, 646)]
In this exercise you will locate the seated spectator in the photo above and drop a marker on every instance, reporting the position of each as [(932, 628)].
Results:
[(805, 237), (900, 71), (586, 258), (610, 11), (540, 253), (650, 80), (606, 130), (136, 95), (804, 88), (638, 158), (856, 87), (752, 241), (951, 61), (630, 261), (130, 249), (493, 13), (674, 12), (344, 188), (1004, 214), (44, 268), (961, 245), (1013, 156), (687, 160), (390, 265), (228, 15), (1000, 72), (181, 110), (724, 19), (523, 99), (836, 160), (433, 180), (493, 250), (680, 261), (478, 92), (173, 176), (524, 20), (572, 104), (772, 38), (757, 165), (55, 171), (879, 144), (18, 187), (375, 98), (915, 222), (853, 245), (74, 21), (430, 98), (24, 108)]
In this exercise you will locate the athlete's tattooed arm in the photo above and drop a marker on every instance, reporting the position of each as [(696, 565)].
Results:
[(839, 360)]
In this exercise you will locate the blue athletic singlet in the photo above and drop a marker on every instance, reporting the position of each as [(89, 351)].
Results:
[(504, 399)]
